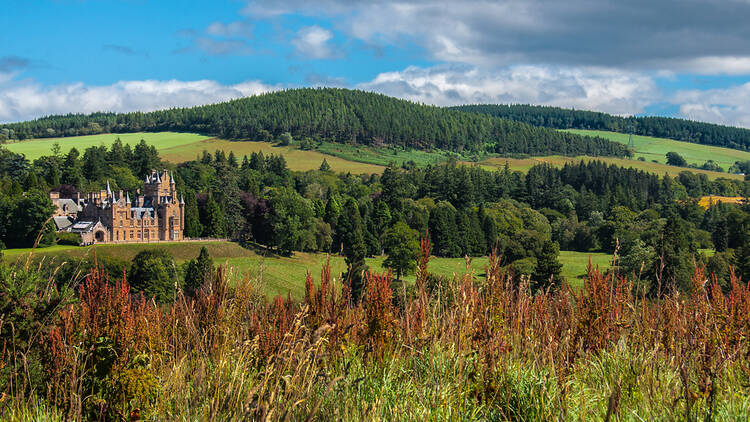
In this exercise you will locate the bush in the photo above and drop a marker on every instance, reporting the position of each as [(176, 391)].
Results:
[(67, 238), (154, 274)]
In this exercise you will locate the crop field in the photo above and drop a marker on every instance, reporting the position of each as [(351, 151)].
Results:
[(282, 275), (524, 164), (652, 148), (36, 148), (707, 201)]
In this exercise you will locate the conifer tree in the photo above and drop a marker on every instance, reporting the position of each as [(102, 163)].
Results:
[(548, 267), (198, 271)]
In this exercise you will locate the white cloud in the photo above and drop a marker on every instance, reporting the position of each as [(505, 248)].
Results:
[(599, 89), (729, 106), (233, 29), (312, 42), (27, 99)]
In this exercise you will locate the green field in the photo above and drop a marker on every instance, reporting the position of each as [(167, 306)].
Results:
[(179, 147), (282, 275), (382, 156), (296, 159), (652, 148), (524, 164), (36, 148)]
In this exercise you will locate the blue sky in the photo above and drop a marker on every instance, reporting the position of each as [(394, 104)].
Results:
[(681, 58)]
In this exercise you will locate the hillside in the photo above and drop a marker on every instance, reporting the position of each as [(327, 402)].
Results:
[(180, 147), (335, 115), (655, 149), (660, 127)]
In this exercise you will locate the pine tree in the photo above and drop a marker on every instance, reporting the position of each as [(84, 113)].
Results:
[(198, 271), (547, 267), (720, 236), (213, 221), (324, 166), (193, 226), (350, 233)]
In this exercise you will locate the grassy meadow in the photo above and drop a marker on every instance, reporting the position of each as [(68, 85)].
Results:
[(281, 274), (179, 147), (35, 148), (524, 164), (652, 148)]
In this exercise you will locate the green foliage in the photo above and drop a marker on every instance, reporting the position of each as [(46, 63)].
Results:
[(401, 245), (153, 272), (548, 267), (213, 219), (675, 159), (285, 139), (23, 217), (338, 115), (198, 271), (664, 127), (66, 238), (27, 303), (292, 221)]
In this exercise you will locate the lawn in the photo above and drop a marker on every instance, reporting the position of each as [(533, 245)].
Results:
[(36, 148), (652, 148), (282, 275)]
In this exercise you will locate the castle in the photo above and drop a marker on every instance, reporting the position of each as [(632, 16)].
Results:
[(106, 217)]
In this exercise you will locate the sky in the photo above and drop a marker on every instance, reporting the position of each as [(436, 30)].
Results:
[(677, 58)]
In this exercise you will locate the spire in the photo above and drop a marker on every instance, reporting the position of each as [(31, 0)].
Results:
[(158, 179), (109, 191), (127, 197), (148, 179), (182, 199), (171, 177)]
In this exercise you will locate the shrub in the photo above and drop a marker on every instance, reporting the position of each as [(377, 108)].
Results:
[(67, 238)]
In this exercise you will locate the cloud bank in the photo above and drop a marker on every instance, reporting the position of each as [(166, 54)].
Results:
[(24, 100)]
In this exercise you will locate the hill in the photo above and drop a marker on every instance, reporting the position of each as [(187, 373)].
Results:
[(655, 149), (660, 127), (333, 115), (180, 147)]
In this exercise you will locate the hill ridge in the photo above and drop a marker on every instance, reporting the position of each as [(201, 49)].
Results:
[(338, 115)]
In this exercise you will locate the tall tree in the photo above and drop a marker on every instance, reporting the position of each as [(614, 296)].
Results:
[(401, 245), (154, 273), (199, 271), (547, 270)]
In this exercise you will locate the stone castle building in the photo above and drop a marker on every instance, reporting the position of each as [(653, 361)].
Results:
[(109, 217)]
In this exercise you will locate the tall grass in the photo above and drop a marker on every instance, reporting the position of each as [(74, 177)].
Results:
[(466, 350)]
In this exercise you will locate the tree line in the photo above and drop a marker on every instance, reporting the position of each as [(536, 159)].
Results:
[(335, 115), (660, 127)]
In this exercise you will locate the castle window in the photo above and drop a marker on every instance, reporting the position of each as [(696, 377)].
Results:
[(131, 234)]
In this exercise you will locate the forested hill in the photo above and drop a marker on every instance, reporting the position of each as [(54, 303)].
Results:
[(661, 127), (337, 115)]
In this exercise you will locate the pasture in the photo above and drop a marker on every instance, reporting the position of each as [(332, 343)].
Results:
[(180, 147), (35, 148), (296, 159), (283, 275), (652, 148), (524, 164)]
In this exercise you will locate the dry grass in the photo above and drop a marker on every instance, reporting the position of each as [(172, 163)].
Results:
[(468, 350), (707, 201)]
